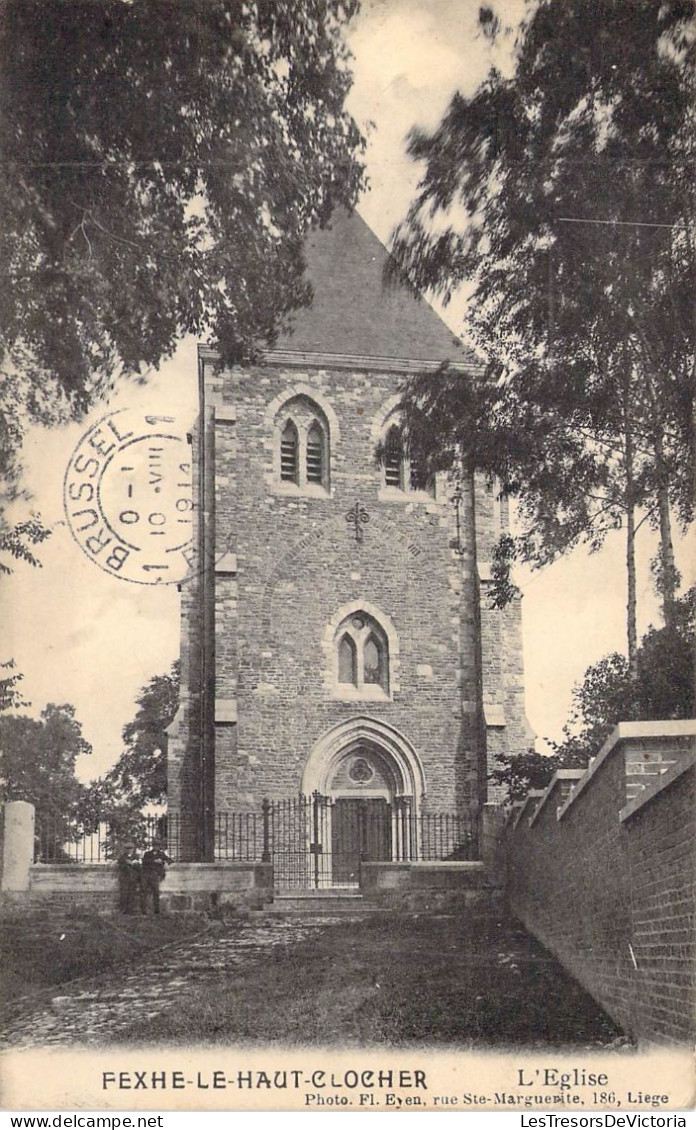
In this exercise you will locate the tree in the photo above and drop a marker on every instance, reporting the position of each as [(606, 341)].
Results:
[(161, 165), (666, 664), (520, 773), (565, 196), (37, 760), (608, 694), (139, 777), (10, 695)]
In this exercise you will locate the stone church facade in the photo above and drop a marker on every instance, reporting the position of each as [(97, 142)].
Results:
[(336, 638)]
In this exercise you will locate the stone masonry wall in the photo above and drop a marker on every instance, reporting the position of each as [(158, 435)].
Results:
[(286, 562), (185, 732), (181, 767), (502, 669), (604, 877), (298, 562), (187, 886)]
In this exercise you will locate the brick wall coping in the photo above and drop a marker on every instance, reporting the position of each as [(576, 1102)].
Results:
[(559, 775), (667, 728), (628, 732), (531, 796), (304, 359), (662, 782)]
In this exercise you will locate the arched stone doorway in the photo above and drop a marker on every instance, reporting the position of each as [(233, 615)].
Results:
[(370, 781)]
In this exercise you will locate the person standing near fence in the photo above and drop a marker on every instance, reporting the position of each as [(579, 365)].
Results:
[(153, 870), (129, 879)]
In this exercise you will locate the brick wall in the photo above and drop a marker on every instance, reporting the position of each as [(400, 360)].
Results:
[(602, 872), (662, 848)]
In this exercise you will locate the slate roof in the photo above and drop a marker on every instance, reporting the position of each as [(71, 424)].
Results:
[(355, 313)]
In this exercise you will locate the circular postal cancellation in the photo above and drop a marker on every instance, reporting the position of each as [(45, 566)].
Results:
[(128, 498)]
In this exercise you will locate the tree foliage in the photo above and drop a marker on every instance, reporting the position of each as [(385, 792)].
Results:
[(664, 689), (522, 772), (139, 777), (37, 760), (16, 542), (10, 694), (161, 165), (564, 195)]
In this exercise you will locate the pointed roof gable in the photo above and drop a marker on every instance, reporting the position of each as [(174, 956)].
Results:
[(354, 313)]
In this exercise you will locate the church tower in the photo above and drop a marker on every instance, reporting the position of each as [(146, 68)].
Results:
[(336, 637)]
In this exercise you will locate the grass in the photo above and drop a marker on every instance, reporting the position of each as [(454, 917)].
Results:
[(40, 949), (393, 979)]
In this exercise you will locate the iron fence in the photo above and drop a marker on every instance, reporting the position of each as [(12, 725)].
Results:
[(319, 841), (312, 841), (239, 836), (91, 838), (447, 836)]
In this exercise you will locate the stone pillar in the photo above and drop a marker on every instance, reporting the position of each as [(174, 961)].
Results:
[(18, 845), (492, 842)]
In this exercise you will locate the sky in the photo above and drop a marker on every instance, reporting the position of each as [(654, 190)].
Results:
[(82, 636)]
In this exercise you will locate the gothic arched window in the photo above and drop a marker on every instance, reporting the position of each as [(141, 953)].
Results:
[(302, 445), (401, 471), (362, 655)]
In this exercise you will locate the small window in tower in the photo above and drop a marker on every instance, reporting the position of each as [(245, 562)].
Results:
[(288, 453), (347, 661), (373, 660), (393, 458), (315, 454)]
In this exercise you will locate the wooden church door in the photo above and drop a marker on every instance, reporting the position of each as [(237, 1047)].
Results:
[(360, 833)]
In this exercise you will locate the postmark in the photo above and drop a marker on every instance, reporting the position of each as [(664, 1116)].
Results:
[(128, 498)]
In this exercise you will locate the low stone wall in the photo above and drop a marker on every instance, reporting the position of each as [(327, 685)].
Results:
[(602, 870), (194, 886), (187, 886), (427, 886)]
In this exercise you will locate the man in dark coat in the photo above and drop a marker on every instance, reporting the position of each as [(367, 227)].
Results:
[(152, 872), (129, 876)]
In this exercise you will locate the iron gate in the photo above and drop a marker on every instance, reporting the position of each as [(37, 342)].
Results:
[(317, 841)]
